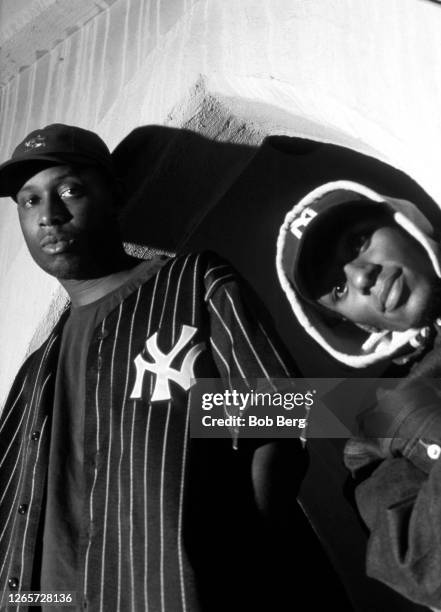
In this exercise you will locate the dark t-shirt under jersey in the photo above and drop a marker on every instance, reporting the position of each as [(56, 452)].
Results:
[(63, 531)]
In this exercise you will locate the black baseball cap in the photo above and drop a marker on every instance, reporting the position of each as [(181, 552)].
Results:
[(54, 143)]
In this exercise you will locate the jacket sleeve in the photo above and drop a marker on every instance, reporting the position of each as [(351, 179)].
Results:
[(401, 505), (246, 349), (405, 422), (398, 464), (243, 341)]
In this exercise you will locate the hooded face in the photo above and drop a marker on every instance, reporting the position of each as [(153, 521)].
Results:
[(377, 276)]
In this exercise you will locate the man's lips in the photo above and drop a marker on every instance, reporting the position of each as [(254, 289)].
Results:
[(53, 244), (391, 291)]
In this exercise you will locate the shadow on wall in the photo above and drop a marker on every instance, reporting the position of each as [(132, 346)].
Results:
[(172, 179), (186, 192)]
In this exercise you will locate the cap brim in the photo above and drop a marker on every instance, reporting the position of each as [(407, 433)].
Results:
[(15, 172)]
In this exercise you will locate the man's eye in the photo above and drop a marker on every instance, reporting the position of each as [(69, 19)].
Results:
[(71, 192), (359, 243), (27, 202), (339, 290)]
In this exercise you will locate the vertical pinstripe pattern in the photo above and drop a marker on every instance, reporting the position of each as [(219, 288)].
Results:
[(28, 414), (275, 351), (164, 302), (223, 360), (121, 440), (95, 474), (247, 337), (166, 429), (34, 470), (5, 490), (161, 508), (136, 451), (241, 372), (24, 467), (109, 449), (145, 480), (184, 458), (132, 560), (129, 356), (43, 386), (10, 411), (17, 491), (5, 454), (146, 515), (177, 294), (180, 514)]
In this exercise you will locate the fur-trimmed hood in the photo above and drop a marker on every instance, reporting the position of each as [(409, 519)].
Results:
[(343, 340)]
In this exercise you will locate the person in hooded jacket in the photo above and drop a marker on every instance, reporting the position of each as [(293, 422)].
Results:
[(362, 274)]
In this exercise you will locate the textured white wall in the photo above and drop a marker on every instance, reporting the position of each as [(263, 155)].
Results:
[(366, 71)]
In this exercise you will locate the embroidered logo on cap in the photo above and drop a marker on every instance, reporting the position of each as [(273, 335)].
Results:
[(302, 221), (35, 143)]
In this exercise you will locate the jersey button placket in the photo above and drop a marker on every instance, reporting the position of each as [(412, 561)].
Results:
[(102, 334)]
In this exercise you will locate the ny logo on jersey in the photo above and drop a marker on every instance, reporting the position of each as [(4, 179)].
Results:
[(302, 221), (161, 365)]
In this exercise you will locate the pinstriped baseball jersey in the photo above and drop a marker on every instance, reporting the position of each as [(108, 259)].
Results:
[(138, 456)]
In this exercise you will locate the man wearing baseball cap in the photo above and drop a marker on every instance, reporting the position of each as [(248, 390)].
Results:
[(362, 274), (103, 493)]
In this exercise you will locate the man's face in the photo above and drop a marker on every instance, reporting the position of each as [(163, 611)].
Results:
[(67, 215), (378, 276)]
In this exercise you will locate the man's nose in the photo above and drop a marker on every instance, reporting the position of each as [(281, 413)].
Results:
[(52, 211), (362, 275)]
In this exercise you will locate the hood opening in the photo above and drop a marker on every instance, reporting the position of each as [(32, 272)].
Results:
[(343, 340)]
